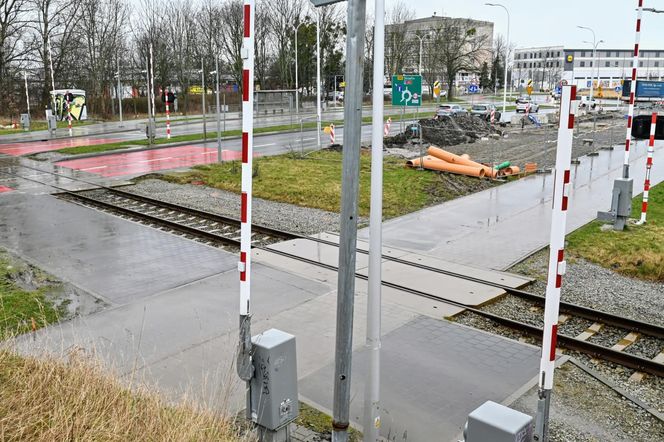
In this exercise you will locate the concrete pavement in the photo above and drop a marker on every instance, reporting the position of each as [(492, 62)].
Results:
[(498, 227)]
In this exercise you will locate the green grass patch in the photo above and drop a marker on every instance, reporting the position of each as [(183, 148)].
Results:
[(21, 306), (638, 251), (36, 125), (321, 423), (315, 181)]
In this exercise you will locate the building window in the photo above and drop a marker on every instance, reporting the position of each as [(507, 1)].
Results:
[(540, 55), (640, 64), (582, 64), (583, 53), (558, 54), (657, 64), (607, 64), (616, 64), (608, 54), (531, 64), (557, 64), (547, 54), (591, 64)]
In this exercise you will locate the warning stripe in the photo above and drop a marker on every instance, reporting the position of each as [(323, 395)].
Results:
[(247, 21), (243, 208), (243, 260), (245, 85), (554, 341), (245, 147)]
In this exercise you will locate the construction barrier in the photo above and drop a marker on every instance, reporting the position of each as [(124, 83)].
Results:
[(388, 124)]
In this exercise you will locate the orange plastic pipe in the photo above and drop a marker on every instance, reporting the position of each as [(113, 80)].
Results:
[(433, 163), (459, 159), (512, 170)]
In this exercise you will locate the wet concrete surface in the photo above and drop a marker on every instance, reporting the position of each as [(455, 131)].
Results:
[(500, 226)]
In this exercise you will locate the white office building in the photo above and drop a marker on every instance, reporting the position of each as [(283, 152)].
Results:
[(546, 66)]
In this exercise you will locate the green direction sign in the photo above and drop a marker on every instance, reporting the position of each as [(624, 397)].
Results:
[(407, 90)]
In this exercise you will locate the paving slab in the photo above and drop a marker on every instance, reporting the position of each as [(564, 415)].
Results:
[(498, 227), (433, 374), (440, 284), (114, 259)]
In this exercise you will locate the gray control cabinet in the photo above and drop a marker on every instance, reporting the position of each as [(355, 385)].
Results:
[(274, 397), (492, 422), (25, 121)]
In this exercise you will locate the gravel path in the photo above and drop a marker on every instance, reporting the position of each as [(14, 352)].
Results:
[(534, 145), (282, 216), (584, 409)]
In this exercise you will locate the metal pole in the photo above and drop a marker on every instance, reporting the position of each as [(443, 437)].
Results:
[(372, 397), (154, 111), (318, 108), (203, 94), (557, 263), (507, 55), (168, 114), (297, 86), (348, 225), (216, 72), (119, 94), (27, 94), (244, 364), (69, 115), (635, 65), (50, 58)]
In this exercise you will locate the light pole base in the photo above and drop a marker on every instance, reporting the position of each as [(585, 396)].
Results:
[(542, 418)]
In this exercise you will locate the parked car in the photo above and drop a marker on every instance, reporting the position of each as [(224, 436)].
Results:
[(524, 103), (484, 111), (450, 110)]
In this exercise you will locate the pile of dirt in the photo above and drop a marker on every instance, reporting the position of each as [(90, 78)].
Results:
[(444, 131)]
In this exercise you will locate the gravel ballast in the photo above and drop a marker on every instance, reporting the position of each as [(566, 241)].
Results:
[(287, 217)]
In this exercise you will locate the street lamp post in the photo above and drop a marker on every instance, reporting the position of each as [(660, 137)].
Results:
[(507, 54), (594, 43), (319, 117), (203, 93), (596, 61), (119, 93), (216, 72), (421, 44), (297, 86)]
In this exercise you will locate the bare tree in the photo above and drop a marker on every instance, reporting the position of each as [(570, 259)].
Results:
[(233, 37), (284, 15), (397, 43), (460, 50)]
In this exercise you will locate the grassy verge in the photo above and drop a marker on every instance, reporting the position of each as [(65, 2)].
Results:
[(637, 251), (41, 125), (321, 423), (23, 301), (315, 181), (46, 399), (212, 135)]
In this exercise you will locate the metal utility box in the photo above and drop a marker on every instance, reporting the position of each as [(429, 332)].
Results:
[(626, 187), (52, 123), (25, 121), (274, 397), (150, 130), (492, 422)]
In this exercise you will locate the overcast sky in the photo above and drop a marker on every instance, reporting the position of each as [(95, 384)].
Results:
[(551, 23)]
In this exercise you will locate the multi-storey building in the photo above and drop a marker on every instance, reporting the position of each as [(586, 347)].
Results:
[(404, 40), (546, 66)]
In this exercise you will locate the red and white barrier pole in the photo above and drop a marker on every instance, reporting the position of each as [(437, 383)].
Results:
[(646, 184), (168, 115), (244, 364), (332, 137), (632, 93), (557, 264), (388, 124), (69, 115)]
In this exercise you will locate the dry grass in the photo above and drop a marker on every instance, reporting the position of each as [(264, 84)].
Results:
[(75, 400)]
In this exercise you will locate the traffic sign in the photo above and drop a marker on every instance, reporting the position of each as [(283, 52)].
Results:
[(407, 90), (529, 89), (473, 89), (436, 89), (618, 89)]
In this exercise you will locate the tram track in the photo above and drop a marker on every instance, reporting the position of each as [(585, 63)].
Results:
[(217, 230)]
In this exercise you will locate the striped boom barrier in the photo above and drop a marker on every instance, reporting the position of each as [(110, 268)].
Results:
[(168, 116), (388, 124), (244, 364), (646, 184), (635, 65), (557, 264), (332, 137)]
